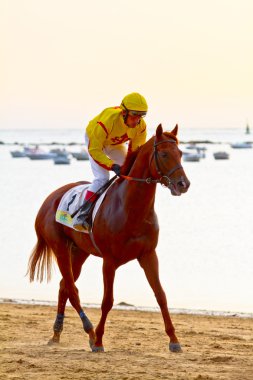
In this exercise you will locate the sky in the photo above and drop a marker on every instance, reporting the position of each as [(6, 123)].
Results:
[(63, 61)]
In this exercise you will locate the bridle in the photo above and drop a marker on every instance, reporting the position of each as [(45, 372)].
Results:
[(164, 179)]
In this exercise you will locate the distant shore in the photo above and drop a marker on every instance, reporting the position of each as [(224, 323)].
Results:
[(195, 142), (73, 143), (130, 307), (75, 136), (214, 348), (40, 143)]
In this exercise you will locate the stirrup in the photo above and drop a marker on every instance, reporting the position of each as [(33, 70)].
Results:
[(83, 221), (82, 226), (87, 224)]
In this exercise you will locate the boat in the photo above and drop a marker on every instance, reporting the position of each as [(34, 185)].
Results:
[(241, 145), (62, 159), (41, 156), (221, 155), (21, 153), (201, 150), (58, 151), (191, 157), (80, 156), (196, 147), (18, 153)]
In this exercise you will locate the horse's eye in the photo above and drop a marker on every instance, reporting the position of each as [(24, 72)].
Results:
[(164, 154)]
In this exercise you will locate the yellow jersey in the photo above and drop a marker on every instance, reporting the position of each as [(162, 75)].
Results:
[(108, 128)]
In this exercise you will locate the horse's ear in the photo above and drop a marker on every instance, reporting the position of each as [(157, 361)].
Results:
[(159, 130), (174, 131)]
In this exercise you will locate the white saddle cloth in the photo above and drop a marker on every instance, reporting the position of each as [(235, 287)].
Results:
[(71, 201)]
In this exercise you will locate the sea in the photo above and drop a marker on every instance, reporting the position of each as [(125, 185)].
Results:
[(205, 244)]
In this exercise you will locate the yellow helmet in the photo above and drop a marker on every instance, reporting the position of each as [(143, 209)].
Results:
[(134, 102)]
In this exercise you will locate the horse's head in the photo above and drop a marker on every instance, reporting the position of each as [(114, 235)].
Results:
[(166, 162)]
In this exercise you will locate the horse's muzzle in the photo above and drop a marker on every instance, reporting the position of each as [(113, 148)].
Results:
[(179, 186)]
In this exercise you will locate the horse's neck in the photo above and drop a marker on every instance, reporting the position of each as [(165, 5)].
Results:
[(135, 193)]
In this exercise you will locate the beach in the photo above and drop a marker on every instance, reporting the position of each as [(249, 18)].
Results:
[(136, 346)]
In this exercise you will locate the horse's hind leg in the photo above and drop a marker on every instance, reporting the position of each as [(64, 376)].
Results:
[(58, 324), (68, 290)]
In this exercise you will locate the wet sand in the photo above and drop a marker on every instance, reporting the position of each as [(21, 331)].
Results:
[(135, 342)]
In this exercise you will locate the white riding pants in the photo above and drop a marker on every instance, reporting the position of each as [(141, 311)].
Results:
[(115, 152)]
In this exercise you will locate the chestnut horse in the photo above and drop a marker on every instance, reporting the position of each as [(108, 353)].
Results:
[(125, 228)]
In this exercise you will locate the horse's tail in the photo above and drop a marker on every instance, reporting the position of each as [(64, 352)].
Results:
[(40, 262)]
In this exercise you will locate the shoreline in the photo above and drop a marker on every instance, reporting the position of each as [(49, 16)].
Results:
[(128, 307)]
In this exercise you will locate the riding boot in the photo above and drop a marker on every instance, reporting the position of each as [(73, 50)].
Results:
[(84, 218)]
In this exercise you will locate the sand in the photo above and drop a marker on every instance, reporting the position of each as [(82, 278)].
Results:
[(135, 343)]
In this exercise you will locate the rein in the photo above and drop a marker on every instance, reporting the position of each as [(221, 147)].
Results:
[(164, 180)]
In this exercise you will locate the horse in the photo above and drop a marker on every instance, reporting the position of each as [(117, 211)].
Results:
[(125, 228)]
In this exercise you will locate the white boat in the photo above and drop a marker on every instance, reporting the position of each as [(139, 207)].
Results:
[(41, 156), (62, 159), (22, 153), (18, 153), (59, 151), (241, 145), (191, 157), (196, 147), (80, 156), (201, 150), (221, 155)]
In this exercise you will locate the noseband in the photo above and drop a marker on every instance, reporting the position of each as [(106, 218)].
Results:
[(164, 179)]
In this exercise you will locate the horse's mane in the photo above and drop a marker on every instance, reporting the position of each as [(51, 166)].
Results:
[(129, 161)]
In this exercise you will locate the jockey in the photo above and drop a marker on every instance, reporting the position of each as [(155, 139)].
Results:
[(105, 138)]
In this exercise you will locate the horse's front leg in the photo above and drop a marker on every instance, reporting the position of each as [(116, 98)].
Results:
[(149, 263), (107, 303)]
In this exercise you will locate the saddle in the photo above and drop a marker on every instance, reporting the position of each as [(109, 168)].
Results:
[(70, 204)]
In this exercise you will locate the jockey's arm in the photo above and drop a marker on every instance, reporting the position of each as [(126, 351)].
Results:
[(95, 148)]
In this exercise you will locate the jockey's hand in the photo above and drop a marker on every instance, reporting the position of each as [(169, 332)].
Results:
[(116, 169)]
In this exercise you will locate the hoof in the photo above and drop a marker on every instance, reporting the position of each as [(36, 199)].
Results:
[(95, 348), (91, 343), (98, 349), (175, 347), (52, 342)]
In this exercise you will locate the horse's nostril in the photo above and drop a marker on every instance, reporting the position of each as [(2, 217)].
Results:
[(182, 184)]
